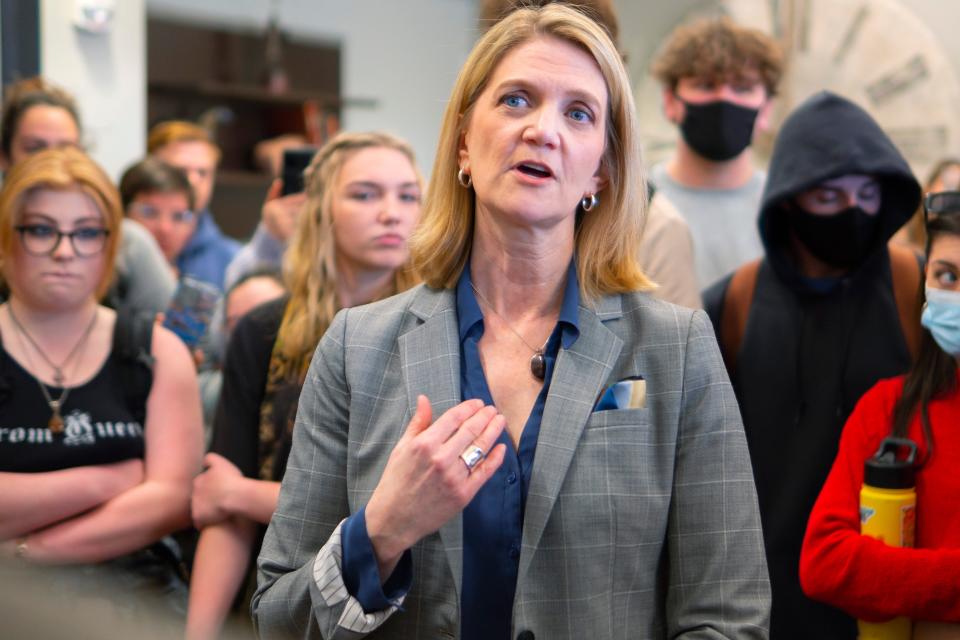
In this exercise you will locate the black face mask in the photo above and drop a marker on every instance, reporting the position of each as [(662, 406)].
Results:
[(843, 239), (718, 130)]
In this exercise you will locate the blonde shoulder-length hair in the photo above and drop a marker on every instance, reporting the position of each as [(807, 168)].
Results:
[(608, 237), (61, 169), (309, 266)]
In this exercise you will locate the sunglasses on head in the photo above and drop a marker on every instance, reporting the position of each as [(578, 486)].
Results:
[(940, 204)]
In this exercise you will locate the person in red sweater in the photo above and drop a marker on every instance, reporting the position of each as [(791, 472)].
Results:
[(859, 574)]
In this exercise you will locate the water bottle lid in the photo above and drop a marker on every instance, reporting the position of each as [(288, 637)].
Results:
[(887, 471)]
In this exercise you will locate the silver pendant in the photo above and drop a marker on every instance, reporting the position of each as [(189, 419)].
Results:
[(538, 365)]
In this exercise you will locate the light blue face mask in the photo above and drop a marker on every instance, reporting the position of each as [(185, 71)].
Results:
[(941, 316)]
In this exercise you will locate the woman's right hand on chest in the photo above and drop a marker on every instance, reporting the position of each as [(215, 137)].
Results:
[(426, 482)]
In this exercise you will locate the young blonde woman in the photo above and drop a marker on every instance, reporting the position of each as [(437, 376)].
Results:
[(350, 248), (94, 469)]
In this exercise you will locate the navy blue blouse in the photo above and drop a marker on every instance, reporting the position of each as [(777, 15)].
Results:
[(493, 521)]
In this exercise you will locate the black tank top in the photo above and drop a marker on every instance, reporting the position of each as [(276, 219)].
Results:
[(99, 427)]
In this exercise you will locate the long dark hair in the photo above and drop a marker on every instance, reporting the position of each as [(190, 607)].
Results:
[(935, 371)]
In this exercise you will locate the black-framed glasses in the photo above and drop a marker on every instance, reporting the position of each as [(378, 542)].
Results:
[(43, 239), (940, 203)]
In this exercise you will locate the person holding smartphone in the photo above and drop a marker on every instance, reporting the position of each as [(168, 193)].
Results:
[(95, 469), (350, 248), (279, 216)]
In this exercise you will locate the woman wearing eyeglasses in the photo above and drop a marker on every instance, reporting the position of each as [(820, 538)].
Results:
[(38, 115), (90, 474), (159, 197), (863, 576)]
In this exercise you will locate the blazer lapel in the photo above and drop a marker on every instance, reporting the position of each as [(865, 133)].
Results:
[(430, 362), (577, 380)]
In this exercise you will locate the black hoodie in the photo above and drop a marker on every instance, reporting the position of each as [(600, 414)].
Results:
[(810, 350)]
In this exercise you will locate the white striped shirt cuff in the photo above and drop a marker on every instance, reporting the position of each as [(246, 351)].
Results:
[(328, 574)]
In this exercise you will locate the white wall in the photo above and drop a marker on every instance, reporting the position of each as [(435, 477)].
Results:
[(107, 75), (405, 54), (942, 17)]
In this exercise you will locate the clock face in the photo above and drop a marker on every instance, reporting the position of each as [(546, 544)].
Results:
[(874, 52)]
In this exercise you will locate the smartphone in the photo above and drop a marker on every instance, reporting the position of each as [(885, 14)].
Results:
[(295, 161), (191, 310)]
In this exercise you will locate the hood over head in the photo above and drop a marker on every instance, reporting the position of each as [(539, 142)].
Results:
[(828, 137)]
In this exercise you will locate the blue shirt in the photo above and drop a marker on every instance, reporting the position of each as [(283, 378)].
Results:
[(493, 521), (208, 252)]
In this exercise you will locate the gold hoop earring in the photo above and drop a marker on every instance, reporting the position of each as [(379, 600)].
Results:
[(589, 202)]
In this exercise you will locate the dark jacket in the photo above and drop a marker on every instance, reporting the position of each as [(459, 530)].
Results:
[(811, 349)]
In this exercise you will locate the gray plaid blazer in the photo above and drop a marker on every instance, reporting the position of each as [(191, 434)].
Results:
[(639, 523)]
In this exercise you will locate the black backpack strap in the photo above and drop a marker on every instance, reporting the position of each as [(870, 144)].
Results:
[(133, 338), (6, 387)]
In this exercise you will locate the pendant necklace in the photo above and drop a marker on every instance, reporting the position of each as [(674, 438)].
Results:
[(538, 363), (55, 423)]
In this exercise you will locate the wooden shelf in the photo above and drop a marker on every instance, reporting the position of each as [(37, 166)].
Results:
[(199, 72), (256, 94), (240, 178)]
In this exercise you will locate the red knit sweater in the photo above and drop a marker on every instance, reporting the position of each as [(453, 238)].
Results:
[(863, 576)]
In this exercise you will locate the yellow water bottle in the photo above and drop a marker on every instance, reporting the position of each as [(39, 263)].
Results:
[(888, 512)]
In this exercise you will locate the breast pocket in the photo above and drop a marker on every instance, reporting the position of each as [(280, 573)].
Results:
[(618, 418), (622, 476), (615, 451)]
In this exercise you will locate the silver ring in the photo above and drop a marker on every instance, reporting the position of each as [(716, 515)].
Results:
[(471, 456)]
